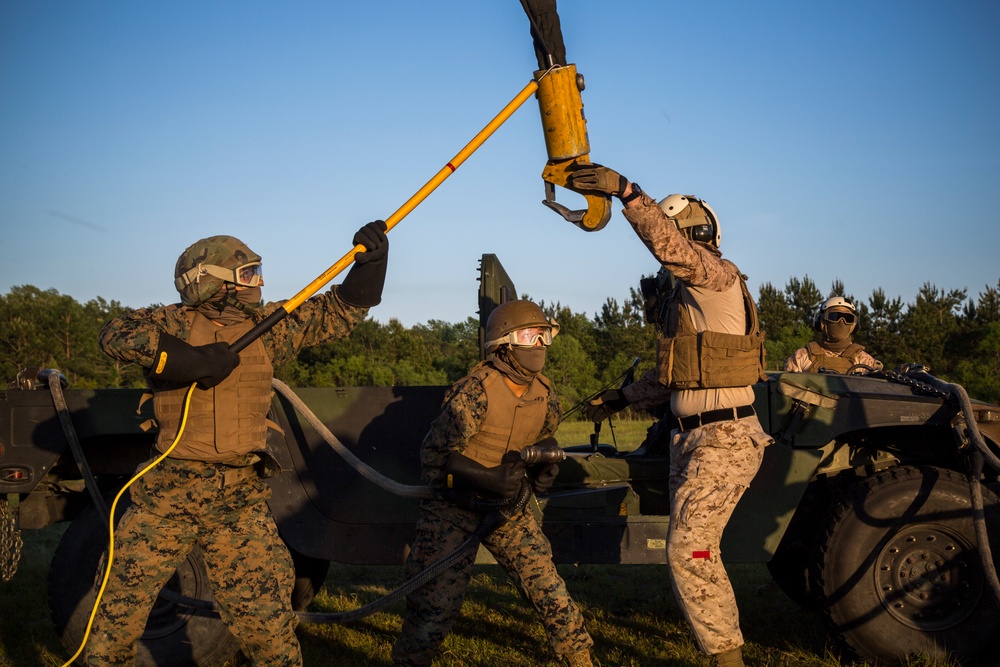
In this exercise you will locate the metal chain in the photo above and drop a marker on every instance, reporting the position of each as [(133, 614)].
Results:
[(10, 542), (902, 375)]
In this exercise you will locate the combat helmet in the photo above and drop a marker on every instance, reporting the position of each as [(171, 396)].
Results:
[(836, 308), (694, 217), (518, 322), (207, 264)]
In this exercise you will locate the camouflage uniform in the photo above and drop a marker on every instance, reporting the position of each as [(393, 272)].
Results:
[(519, 546), (801, 359), (711, 465), (218, 505), (646, 393)]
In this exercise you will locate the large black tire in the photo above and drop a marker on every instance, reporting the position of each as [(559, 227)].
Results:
[(174, 635), (900, 573)]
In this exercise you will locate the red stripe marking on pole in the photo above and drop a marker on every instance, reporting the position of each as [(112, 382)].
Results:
[(701, 554), (451, 166)]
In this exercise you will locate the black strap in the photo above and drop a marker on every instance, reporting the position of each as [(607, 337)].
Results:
[(712, 416)]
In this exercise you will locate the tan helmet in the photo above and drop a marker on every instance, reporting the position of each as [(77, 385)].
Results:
[(834, 305), (694, 217), (209, 263), (512, 316)]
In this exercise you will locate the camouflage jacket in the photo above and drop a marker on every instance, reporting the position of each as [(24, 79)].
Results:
[(134, 337), (801, 360), (696, 264), (464, 409), (698, 267)]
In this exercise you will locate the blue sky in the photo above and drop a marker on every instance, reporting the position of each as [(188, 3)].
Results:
[(851, 140)]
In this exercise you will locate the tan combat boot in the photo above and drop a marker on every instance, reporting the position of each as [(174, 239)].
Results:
[(579, 659), (732, 658)]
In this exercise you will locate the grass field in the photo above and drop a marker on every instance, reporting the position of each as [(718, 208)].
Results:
[(630, 612), (625, 434)]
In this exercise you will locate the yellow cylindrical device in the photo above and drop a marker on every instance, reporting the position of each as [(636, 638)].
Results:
[(561, 108)]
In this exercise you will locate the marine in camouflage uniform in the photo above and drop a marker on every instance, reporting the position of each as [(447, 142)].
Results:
[(719, 445), (834, 350), (503, 405), (208, 492)]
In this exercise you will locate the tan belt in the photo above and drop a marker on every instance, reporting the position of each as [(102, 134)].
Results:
[(233, 475)]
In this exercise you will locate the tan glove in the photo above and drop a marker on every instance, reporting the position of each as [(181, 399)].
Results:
[(596, 178)]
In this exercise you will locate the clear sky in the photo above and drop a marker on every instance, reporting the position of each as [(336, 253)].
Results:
[(853, 139)]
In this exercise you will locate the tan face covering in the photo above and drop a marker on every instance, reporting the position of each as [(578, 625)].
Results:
[(232, 306), (509, 363), (836, 335), (531, 359)]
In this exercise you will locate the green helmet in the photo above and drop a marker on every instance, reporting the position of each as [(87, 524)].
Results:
[(207, 264), (513, 316)]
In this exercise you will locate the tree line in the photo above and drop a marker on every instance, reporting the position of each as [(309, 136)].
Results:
[(957, 336)]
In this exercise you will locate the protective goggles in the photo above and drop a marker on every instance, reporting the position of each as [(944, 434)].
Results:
[(248, 275), (527, 337), (833, 316)]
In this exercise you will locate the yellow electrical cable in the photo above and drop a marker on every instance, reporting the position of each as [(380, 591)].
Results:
[(305, 293), (111, 521)]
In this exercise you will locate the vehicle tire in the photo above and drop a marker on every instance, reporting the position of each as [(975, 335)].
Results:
[(900, 573), (174, 635), (310, 573)]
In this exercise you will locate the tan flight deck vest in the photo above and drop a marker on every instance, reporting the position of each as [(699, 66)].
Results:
[(840, 363), (229, 419), (691, 359), (511, 421)]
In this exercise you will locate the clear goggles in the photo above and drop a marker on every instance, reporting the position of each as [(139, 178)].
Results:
[(248, 275), (529, 337), (833, 316)]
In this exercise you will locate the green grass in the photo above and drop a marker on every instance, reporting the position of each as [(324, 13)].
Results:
[(625, 434), (630, 612)]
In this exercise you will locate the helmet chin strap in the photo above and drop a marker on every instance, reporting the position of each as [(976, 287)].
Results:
[(231, 299)]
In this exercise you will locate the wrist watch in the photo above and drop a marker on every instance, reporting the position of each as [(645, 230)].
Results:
[(636, 191)]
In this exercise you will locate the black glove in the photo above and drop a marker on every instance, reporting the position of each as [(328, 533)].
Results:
[(177, 361), (606, 404), (362, 287), (595, 178), (542, 475), (504, 480), (542, 479)]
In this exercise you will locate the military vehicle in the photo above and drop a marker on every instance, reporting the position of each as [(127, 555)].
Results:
[(869, 508)]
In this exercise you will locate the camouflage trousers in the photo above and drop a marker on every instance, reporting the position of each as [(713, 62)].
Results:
[(710, 469), (524, 553), (180, 504)]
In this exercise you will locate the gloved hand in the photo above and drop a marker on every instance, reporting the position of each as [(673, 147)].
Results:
[(504, 480), (363, 284), (543, 479), (606, 404), (542, 475), (595, 178), (177, 361)]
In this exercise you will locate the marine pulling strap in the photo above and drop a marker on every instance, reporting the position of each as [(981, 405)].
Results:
[(563, 122), (447, 170)]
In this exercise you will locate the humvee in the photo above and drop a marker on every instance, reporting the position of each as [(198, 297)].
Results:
[(872, 508)]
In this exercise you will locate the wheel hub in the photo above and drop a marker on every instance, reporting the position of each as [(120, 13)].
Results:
[(928, 578)]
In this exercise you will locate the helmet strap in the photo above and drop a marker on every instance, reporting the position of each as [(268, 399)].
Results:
[(233, 306)]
